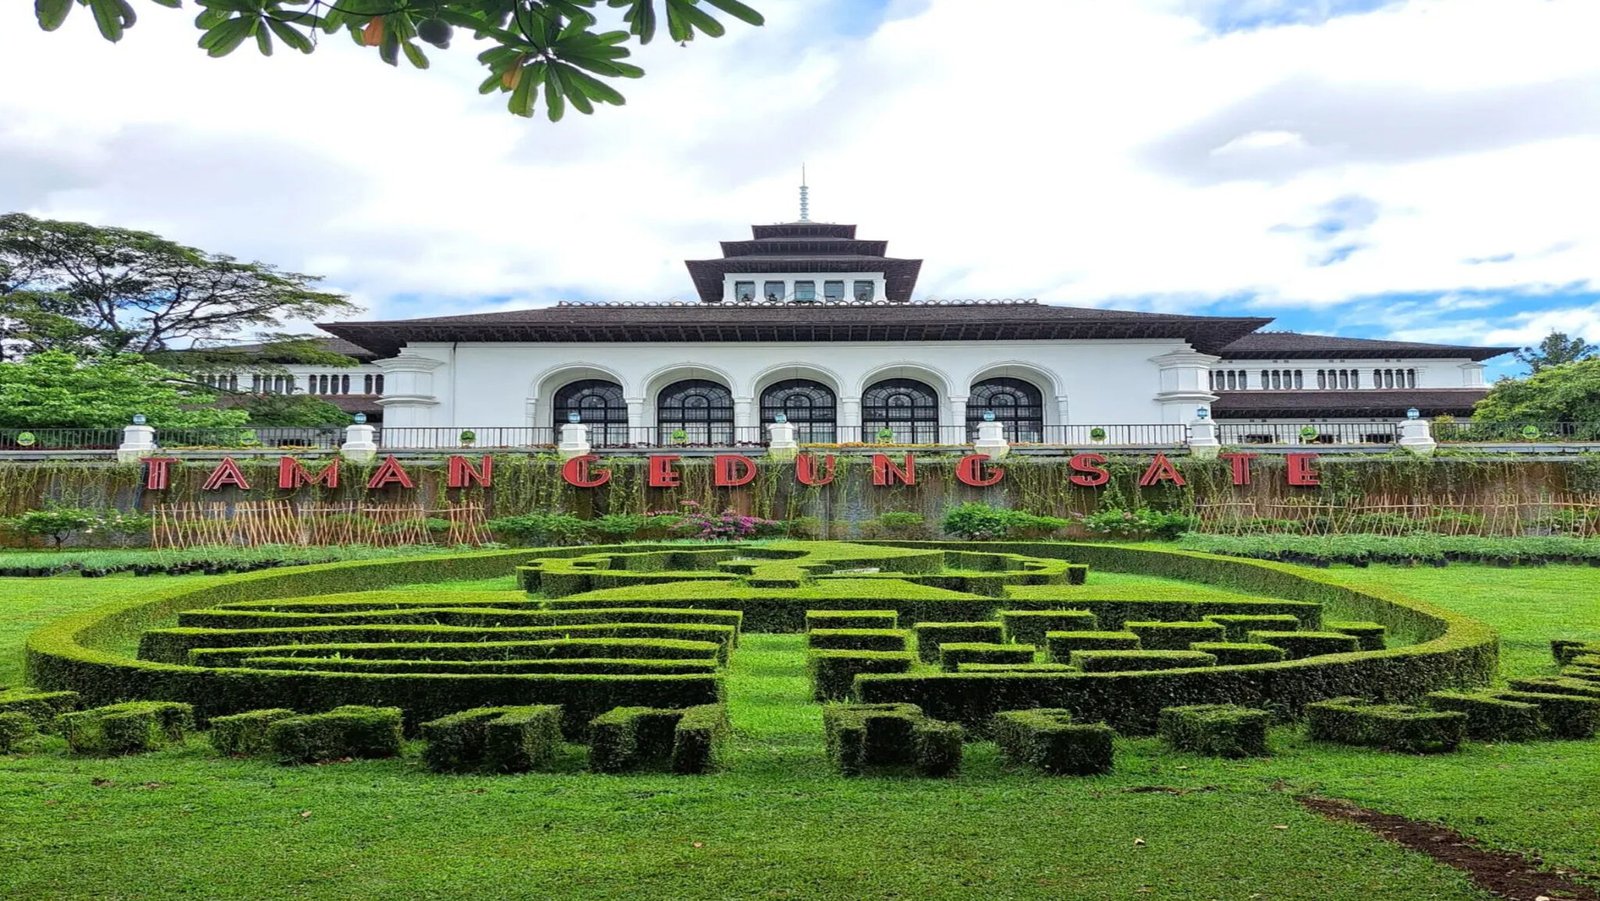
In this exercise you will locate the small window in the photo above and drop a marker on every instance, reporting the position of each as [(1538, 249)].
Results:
[(366, 383), (833, 292), (805, 292), (865, 290), (744, 292), (380, 384), (774, 291), (1299, 379)]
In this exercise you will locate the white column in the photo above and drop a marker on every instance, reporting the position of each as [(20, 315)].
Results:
[(358, 443), (850, 420), (138, 442), (1203, 441), (1184, 384), (574, 440), (408, 397), (1416, 436), (1062, 409), (782, 445), (743, 414), (637, 427), (991, 440), (958, 420)]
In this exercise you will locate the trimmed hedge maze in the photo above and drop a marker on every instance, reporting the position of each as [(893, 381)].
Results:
[(623, 647)]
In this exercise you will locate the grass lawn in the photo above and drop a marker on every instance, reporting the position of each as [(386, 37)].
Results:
[(187, 824)]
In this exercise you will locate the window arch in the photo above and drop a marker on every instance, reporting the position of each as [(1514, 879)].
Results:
[(702, 410), (909, 409), (599, 404), (810, 406), (1018, 406)]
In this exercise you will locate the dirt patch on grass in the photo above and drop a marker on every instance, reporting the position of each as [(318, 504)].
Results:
[(1507, 875)]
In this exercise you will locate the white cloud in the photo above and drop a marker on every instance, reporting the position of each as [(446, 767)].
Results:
[(1079, 151)]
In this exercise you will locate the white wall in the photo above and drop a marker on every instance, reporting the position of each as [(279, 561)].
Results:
[(1453, 373)]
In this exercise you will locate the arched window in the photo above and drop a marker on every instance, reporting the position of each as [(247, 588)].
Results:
[(908, 408), (600, 405), (702, 411), (1018, 406), (810, 406)]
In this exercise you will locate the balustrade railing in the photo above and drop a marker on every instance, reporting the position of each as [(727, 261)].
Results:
[(452, 438), (59, 439), (1466, 430), (1375, 432), (247, 437)]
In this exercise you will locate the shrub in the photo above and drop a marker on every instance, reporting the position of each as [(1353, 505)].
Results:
[(245, 734), (493, 739), (1564, 649), (1139, 661), (1014, 668), (1030, 626), (1219, 730), (1173, 636), (856, 639), (1047, 740), (56, 522), (1556, 685), (1060, 646), (896, 525), (1564, 715), (697, 741), (936, 748), (40, 706), (574, 665), (976, 521), (852, 619), (127, 728), (1141, 523), (1300, 645), (1369, 636), (15, 728), (1233, 653), (552, 650), (954, 653), (1237, 627), (1490, 717), (634, 738), (931, 635), (538, 529), (860, 737), (344, 732), (728, 525), (833, 673), (1392, 727)]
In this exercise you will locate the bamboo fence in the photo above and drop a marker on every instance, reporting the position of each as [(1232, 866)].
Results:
[(280, 522)]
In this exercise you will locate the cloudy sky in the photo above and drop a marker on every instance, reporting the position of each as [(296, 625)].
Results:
[(1425, 170)]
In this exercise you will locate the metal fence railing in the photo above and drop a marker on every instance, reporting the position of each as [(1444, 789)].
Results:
[(1375, 432), (59, 439), (327, 437), (452, 438), (1467, 430), (1165, 434)]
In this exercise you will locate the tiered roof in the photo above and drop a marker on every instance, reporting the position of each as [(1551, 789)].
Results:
[(820, 247)]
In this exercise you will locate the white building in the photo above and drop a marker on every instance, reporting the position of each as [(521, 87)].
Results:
[(807, 320)]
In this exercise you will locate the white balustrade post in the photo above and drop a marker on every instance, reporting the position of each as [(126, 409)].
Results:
[(991, 440), (574, 441), (138, 442), (360, 443), (781, 444), (1416, 436), (1203, 442)]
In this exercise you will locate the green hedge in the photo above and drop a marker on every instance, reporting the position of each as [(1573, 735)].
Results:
[(863, 737), (40, 706), (442, 614), (553, 650), (492, 739), (1240, 653), (1393, 727), (1173, 636), (1218, 730), (1049, 741), (1489, 716), (1139, 661), (1564, 649), (856, 639), (245, 734), (852, 619), (15, 728), (351, 731), (580, 665), (1060, 646), (174, 645), (697, 742), (936, 747), (129, 728), (1300, 645), (1556, 685), (930, 636), (685, 741), (954, 653), (834, 672), (1015, 668), (1369, 636), (1236, 627), (1030, 626), (1564, 715)]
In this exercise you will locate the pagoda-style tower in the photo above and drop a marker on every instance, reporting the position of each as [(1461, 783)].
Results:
[(804, 262)]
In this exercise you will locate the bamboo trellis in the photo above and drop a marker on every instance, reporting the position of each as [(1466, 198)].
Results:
[(255, 523), (1393, 515)]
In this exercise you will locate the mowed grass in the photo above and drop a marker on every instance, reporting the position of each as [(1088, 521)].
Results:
[(778, 824)]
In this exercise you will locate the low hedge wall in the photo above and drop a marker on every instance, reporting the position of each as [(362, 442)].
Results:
[(554, 649), (1217, 730), (856, 639), (582, 665), (442, 614), (1049, 741), (1139, 661), (347, 731), (1450, 651), (954, 653), (833, 673), (1030, 626), (932, 636), (1173, 636)]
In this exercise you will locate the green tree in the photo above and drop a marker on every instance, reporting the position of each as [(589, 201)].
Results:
[(292, 410), (56, 390), (554, 45), (90, 290), (1566, 393), (1556, 348)]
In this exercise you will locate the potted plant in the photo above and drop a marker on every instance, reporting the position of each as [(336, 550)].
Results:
[(680, 436), (1097, 433), (1308, 433), (467, 437), (885, 435)]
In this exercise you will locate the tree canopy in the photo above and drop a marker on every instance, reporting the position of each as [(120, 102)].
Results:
[(292, 410), (56, 390), (1556, 348), (90, 290), (557, 46), (1569, 392)]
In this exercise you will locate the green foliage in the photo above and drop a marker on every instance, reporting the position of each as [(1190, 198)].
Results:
[(1015, 668), (492, 739), (209, 560), (55, 390), (976, 521), (1569, 392), (1363, 550), (856, 639), (1138, 524), (1173, 636), (539, 529), (852, 619), (293, 410), (1368, 635), (42, 707), (1489, 716), (833, 673), (1218, 730), (1392, 727), (54, 522), (1060, 646), (1049, 741), (245, 734), (1029, 626), (1240, 653), (92, 291), (352, 731), (864, 737), (1139, 661), (629, 739), (932, 635), (1236, 627), (128, 728), (936, 748), (952, 654), (15, 728), (1300, 645), (1564, 715), (896, 525), (1556, 349)]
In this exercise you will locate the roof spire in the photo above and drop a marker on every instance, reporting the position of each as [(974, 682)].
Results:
[(805, 196)]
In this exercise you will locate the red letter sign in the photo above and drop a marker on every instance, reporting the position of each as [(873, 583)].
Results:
[(970, 471), (159, 475), (1241, 466), (1161, 470), (1088, 470), (884, 472), (462, 474), (227, 473), (292, 475), (662, 473), (576, 472), (389, 471), (805, 470), (1300, 471), (732, 470)]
